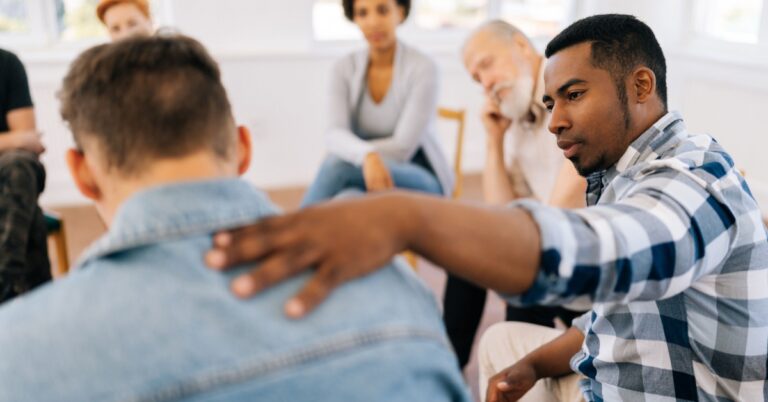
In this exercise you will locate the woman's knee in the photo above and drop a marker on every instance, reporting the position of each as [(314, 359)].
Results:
[(335, 167)]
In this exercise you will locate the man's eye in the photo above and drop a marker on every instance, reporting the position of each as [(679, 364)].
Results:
[(549, 107), (575, 95)]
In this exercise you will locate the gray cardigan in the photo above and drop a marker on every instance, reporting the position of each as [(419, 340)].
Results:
[(414, 88)]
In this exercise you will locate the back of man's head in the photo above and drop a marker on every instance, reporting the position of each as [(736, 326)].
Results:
[(620, 43), (146, 99)]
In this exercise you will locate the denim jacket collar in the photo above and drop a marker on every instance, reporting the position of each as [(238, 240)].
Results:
[(180, 209)]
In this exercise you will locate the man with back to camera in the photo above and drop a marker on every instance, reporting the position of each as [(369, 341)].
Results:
[(671, 249), (141, 318), (23, 241), (511, 71)]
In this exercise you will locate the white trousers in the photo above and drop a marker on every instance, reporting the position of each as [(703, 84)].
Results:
[(505, 343)]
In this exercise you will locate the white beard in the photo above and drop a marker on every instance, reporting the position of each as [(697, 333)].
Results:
[(517, 102)]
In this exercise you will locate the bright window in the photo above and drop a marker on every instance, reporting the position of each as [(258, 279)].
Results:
[(42, 23), (77, 20), (732, 20), (538, 18), (329, 22), (13, 16), (442, 14)]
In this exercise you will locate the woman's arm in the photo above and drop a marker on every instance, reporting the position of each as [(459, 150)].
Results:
[(22, 134)]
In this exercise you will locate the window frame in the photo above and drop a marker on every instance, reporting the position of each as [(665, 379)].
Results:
[(699, 45), (43, 32), (442, 40)]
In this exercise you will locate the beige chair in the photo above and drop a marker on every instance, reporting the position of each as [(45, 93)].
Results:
[(458, 115)]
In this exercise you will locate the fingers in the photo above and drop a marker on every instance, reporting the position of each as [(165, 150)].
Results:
[(388, 179), (491, 393), (314, 292), (503, 386), (276, 268), (490, 107), (249, 243)]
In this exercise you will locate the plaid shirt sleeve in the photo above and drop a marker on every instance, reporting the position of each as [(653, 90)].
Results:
[(667, 230)]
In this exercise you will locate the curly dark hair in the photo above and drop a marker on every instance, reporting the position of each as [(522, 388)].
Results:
[(349, 8)]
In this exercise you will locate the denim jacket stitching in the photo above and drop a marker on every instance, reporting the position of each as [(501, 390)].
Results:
[(231, 376)]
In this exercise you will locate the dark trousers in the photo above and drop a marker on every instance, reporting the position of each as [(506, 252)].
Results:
[(23, 235), (463, 305)]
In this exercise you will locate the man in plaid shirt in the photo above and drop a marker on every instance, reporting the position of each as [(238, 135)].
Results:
[(671, 251)]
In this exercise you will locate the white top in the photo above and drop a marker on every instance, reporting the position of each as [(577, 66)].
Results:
[(397, 128), (376, 120), (532, 154)]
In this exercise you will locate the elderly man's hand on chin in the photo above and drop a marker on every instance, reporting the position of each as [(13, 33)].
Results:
[(496, 125), (341, 240)]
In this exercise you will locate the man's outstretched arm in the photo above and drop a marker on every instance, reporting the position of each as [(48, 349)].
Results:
[(497, 248)]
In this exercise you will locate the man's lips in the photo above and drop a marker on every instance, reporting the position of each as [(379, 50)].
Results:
[(570, 148)]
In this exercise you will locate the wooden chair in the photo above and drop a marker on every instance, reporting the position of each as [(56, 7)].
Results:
[(458, 115), (55, 225)]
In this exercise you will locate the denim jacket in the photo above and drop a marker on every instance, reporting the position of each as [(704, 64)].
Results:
[(142, 319)]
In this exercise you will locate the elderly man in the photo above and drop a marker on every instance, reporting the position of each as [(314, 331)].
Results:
[(502, 59)]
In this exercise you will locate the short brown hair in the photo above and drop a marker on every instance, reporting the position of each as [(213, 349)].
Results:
[(349, 8), (148, 98)]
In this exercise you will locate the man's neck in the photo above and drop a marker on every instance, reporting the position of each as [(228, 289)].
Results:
[(642, 121), (195, 167)]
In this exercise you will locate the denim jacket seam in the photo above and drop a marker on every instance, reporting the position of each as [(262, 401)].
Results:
[(168, 231), (219, 378)]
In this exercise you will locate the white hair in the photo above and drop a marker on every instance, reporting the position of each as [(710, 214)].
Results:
[(499, 29)]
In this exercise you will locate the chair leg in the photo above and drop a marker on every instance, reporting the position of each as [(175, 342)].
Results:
[(62, 257)]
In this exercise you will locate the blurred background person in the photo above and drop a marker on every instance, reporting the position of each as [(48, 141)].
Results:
[(125, 18), (383, 105), (23, 244)]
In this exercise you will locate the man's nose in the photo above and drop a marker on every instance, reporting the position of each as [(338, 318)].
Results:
[(558, 120)]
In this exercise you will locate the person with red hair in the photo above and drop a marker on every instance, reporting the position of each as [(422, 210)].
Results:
[(125, 18)]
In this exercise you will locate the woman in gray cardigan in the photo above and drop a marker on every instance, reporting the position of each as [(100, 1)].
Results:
[(383, 104)]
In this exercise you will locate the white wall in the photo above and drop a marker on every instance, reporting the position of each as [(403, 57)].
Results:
[(276, 76)]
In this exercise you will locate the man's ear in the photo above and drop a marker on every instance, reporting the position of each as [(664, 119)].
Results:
[(643, 84), (243, 149), (83, 175)]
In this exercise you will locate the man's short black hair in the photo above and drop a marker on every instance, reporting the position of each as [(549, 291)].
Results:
[(349, 8), (620, 43)]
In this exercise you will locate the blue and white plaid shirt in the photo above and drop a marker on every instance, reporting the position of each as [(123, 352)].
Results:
[(672, 252)]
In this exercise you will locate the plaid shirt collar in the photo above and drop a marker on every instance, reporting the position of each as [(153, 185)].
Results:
[(648, 146)]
